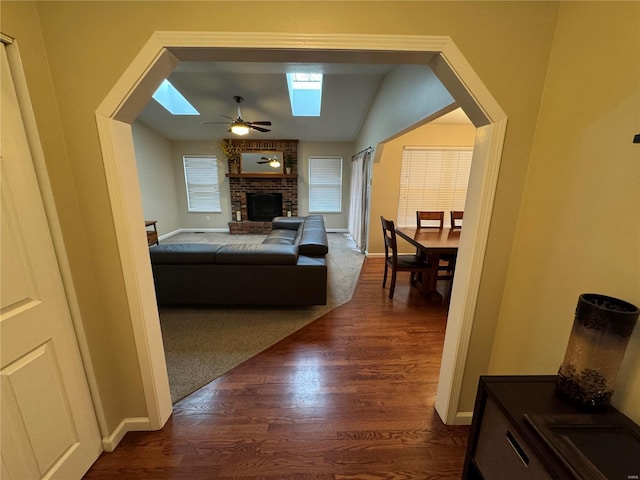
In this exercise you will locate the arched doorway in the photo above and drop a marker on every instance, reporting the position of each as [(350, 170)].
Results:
[(160, 56)]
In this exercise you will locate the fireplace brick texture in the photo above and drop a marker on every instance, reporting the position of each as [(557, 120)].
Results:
[(239, 186)]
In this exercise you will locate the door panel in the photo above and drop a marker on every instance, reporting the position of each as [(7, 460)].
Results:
[(49, 428)]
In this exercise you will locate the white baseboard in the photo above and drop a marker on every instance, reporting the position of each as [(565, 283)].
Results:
[(463, 418), (205, 230), (167, 235), (136, 424)]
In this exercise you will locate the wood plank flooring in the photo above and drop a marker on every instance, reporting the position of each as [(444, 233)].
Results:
[(350, 396)]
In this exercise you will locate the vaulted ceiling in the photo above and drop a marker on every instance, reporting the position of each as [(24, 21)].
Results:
[(348, 92)]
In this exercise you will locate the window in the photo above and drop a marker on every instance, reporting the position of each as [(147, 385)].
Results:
[(203, 187), (325, 184), (172, 100), (433, 179), (305, 93)]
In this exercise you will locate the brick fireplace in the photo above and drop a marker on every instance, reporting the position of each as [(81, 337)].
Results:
[(282, 184)]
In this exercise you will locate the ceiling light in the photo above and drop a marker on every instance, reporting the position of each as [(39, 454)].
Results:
[(239, 129), (274, 163)]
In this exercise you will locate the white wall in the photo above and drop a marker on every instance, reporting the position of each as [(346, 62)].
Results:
[(156, 177)]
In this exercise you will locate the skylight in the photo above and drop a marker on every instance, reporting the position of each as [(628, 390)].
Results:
[(171, 99), (305, 93)]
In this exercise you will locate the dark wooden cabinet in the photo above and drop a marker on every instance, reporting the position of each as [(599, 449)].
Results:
[(522, 429)]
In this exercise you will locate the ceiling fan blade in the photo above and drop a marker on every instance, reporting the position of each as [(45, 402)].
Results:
[(260, 129), (264, 122)]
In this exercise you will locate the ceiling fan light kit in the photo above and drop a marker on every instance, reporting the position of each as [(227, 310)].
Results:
[(238, 125), (239, 129)]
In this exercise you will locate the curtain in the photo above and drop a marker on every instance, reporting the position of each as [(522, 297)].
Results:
[(359, 204)]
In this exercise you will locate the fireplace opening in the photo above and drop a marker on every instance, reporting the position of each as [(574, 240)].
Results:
[(262, 207)]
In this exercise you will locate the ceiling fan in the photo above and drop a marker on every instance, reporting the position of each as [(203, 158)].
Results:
[(240, 126)]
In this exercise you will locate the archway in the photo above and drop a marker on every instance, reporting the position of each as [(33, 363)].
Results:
[(156, 61)]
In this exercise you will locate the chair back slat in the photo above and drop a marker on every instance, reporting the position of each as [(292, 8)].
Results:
[(390, 240), (427, 219), (456, 218)]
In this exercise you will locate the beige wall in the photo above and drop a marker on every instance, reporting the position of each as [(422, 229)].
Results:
[(385, 188), (73, 53), (579, 226), (211, 220), (163, 188), (157, 179), (333, 221)]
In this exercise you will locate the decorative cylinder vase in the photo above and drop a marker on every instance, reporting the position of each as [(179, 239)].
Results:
[(601, 330)]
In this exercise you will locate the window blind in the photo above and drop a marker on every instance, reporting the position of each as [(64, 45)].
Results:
[(432, 179), (325, 184), (203, 186)]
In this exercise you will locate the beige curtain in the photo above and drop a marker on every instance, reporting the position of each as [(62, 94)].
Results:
[(359, 204)]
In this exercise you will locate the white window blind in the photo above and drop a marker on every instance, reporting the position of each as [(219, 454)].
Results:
[(325, 184), (203, 186), (432, 179)]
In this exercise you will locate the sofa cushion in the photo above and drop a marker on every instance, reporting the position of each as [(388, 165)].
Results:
[(261, 254), (287, 223), (183, 253), (281, 237)]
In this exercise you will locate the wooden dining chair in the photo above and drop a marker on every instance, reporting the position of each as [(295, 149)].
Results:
[(456, 218), (400, 263), (425, 219)]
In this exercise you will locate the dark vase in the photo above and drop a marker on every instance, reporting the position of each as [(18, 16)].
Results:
[(601, 330)]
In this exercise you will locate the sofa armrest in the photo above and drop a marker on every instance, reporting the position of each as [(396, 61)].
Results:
[(313, 240)]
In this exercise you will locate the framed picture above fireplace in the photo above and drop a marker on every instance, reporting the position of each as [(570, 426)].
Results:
[(266, 161)]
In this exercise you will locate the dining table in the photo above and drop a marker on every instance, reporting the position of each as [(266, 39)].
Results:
[(431, 243)]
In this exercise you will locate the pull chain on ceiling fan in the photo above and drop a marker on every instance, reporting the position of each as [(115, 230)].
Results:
[(239, 126)]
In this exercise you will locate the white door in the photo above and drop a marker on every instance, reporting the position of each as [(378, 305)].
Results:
[(49, 428)]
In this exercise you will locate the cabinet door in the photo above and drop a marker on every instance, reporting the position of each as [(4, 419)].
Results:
[(501, 453)]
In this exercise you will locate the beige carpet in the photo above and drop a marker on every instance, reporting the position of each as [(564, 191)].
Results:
[(203, 343)]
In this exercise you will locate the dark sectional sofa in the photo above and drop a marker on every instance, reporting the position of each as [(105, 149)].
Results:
[(289, 268)]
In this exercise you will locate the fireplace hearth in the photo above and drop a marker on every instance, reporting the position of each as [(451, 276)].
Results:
[(263, 206)]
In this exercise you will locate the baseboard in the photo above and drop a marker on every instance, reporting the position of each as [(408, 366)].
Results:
[(463, 418), (136, 424), (167, 235), (374, 255), (205, 230), (337, 230)]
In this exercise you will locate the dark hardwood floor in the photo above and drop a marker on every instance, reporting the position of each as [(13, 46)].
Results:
[(350, 396)]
